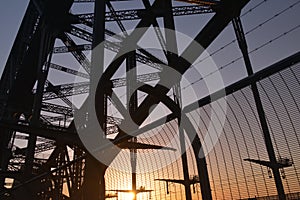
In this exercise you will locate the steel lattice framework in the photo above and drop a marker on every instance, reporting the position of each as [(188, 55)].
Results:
[(52, 71)]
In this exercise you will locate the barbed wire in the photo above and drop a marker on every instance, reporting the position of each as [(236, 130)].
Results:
[(233, 61), (250, 52), (221, 48), (252, 9), (248, 32)]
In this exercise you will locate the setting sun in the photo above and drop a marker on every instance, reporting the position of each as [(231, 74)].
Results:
[(126, 196)]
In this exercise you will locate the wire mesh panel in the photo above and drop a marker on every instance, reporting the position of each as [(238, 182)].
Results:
[(230, 175), (162, 162), (280, 94)]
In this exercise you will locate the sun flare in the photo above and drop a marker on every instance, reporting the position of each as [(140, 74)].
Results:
[(127, 196)]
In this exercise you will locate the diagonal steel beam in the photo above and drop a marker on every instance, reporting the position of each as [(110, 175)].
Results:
[(66, 135), (65, 90), (80, 57), (205, 37), (148, 59)]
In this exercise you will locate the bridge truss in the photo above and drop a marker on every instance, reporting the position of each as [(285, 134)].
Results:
[(52, 72)]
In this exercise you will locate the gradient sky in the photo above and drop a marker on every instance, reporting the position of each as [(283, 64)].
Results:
[(11, 14), (12, 11)]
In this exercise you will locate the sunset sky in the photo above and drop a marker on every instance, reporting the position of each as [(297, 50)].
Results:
[(272, 30)]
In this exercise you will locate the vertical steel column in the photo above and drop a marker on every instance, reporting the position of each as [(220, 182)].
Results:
[(94, 183), (132, 98), (46, 42), (237, 24), (201, 163), (133, 157), (171, 44), (187, 187), (184, 160)]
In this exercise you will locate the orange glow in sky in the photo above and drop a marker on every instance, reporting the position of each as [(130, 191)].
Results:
[(126, 196)]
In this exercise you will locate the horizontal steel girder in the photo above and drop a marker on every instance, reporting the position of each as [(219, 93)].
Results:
[(137, 13)]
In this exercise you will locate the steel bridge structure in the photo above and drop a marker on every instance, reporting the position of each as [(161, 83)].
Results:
[(77, 63)]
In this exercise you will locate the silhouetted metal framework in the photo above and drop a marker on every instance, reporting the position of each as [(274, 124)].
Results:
[(42, 156)]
